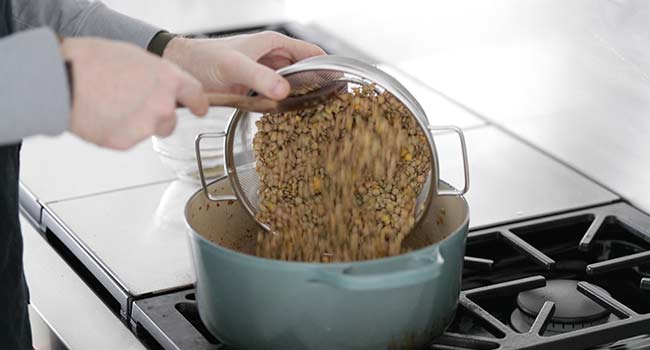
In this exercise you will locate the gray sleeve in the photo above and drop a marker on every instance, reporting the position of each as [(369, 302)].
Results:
[(81, 18), (34, 95)]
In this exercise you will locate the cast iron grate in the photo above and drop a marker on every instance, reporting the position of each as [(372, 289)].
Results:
[(630, 325), (607, 246)]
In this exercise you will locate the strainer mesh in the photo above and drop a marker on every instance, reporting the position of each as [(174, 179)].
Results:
[(243, 173)]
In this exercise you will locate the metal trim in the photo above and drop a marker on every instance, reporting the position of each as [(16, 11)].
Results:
[(138, 316), (30, 205)]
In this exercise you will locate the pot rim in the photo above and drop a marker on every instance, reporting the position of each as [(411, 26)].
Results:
[(301, 264)]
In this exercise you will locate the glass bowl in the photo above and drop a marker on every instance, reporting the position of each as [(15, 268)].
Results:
[(177, 150)]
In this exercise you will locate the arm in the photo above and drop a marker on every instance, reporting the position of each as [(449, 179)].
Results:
[(81, 18), (117, 102), (34, 95)]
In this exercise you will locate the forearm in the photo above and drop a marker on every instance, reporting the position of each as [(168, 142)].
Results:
[(35, 97), (81, 18)]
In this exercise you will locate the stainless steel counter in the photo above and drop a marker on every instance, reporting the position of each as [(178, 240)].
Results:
[(64, 310)]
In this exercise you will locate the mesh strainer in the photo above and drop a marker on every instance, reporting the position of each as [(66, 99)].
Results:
[(308, 75)]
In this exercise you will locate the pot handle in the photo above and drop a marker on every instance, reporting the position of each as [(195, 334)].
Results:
[(199, 162), (463, 148), (428, 267)]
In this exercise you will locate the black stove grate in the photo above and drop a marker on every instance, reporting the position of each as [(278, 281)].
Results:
[(630, 325), (602, 246), (606, 249)]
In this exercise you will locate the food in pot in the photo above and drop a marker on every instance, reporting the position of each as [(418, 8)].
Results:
[(339, 182)]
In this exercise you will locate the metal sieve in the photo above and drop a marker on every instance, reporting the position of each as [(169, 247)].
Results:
[(309, 75)]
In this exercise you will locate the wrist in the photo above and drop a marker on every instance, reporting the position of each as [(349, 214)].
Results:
[(175, 49)]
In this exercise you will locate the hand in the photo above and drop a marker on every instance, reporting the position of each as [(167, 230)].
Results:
[(122, 94), (239, 63)]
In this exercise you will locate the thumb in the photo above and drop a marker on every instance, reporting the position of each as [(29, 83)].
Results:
[(241, 69), (190, 93)]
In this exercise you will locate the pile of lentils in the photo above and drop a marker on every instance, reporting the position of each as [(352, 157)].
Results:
[(339, 182)]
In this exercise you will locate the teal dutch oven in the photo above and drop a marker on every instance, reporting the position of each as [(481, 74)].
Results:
[(390, 303)]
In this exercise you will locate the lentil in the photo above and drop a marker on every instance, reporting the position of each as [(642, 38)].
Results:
[(339, 182)]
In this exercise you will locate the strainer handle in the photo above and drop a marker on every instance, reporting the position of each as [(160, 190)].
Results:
[(199, 161), (463, 148)]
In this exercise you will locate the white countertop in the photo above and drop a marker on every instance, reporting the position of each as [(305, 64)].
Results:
[(189, 16), (64, 167), (578, 89), (138, 234), (439, 109)]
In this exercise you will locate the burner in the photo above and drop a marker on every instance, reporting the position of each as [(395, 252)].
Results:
[(573, 310)]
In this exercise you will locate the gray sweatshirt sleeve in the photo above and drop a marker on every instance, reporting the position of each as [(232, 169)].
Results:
[(34, 93), (81, 18)]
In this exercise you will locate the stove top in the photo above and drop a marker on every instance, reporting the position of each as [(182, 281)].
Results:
[(578, 280)]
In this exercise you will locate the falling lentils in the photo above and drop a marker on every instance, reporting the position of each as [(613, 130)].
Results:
[(339, 182)]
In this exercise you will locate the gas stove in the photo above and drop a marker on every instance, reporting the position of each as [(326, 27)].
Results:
[(578, 280)]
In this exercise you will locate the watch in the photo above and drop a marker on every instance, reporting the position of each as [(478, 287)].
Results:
[(159, 42)]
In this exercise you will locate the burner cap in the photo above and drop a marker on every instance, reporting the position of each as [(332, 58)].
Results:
[(571, 306)]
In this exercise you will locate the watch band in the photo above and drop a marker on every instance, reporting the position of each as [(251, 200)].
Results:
[(67, 64), (159, 42), (68, 72)]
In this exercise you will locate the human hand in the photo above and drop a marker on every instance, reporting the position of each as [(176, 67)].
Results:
[(122, 94), (239, 63)]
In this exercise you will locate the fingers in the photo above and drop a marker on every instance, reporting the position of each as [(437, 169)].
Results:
[(238, 68), (297, 49), (166, 126), (175, 86), (189, 93), (184, 89), (275, 61)]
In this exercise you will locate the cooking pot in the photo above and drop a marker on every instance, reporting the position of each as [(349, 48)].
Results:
[(251, 302)]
